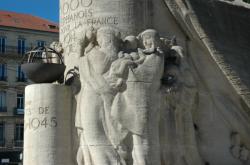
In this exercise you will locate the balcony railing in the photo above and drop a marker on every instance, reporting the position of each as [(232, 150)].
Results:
[(18, 111), (13, 50), (3, 78), (21, 79), (2, 143), (18, 143), (3, 109)]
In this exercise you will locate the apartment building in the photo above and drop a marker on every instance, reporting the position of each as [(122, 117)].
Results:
[(19, 33)]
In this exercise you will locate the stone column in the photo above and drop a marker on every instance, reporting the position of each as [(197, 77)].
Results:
[(47, 135), (129, 16)]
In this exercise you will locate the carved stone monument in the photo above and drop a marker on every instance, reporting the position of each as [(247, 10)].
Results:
[(147, 82)]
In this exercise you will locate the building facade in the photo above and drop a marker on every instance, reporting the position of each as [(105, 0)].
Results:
[(19, 33)]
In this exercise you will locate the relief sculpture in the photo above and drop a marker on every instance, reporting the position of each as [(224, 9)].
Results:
[(126, 88)]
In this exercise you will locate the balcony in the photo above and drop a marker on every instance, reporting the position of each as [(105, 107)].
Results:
[(18, 111), (18, 143), (3, 78), (3, 109), (2, 142), (13, 51), (21, 79)]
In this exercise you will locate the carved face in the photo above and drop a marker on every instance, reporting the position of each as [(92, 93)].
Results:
[(90, 33), (150, 39), (108, 41), (105, 39)]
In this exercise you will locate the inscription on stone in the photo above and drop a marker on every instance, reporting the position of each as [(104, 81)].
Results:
[(79, 14), (75, 4), (39, 118)]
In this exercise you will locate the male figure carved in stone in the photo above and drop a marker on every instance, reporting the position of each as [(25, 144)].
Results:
[(95, 99)]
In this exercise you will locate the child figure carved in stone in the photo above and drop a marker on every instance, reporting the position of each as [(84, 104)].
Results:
[(127, 59)]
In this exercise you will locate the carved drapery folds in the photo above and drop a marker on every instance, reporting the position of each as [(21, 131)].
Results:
[(128, 89)]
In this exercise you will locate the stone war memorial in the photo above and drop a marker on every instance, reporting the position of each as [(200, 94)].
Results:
[(142, 82)]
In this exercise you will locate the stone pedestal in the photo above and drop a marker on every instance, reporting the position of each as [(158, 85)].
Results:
[(47, 136)]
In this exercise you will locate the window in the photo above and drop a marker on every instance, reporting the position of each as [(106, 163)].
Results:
[(3, 101), (21, 46), (20, 75), (41, 43), (20, 104), (2, 134), (2, 44), (3, 72), (19, 135), (53, 27)]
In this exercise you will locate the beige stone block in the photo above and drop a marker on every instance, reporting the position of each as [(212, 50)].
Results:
[(47, 125)]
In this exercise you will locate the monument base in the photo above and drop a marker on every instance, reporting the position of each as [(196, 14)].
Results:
[(47, 136)]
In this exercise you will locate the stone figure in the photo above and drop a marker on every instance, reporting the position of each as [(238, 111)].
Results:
[(92, 117), (182, 100), (122, 97), (89, 41), (129, 58), (138, 107), (131, 49), (119, 70)]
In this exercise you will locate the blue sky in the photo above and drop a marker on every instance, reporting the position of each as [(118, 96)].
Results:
[(48, 9)]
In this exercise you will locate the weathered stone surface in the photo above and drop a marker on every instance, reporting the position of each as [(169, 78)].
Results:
[(222, 107), (122, 98), (212, 92), (227, 27), (144, 99), (47, 127)]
